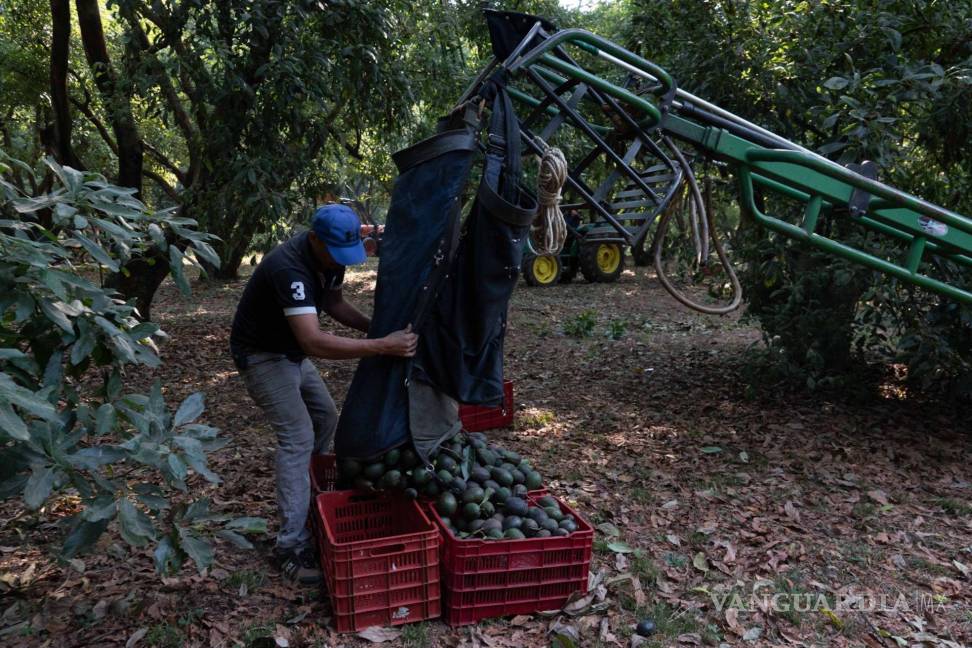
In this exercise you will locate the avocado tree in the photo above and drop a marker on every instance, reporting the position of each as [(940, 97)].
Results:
[(67, 426)]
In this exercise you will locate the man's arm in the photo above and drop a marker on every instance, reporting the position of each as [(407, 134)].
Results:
[(344, 312), (315, 342)]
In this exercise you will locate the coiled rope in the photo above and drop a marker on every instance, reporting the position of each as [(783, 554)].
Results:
[(549, 229)]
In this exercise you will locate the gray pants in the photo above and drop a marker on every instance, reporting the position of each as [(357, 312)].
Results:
[(303, 416)]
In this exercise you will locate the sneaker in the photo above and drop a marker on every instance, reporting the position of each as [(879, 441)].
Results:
[(300, 565)]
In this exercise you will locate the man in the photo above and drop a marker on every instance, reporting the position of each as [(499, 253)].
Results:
[(275, 328)]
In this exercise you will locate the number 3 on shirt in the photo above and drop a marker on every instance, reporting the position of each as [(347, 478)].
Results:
[(298, 288)]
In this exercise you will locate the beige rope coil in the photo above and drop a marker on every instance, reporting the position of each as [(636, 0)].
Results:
[(549, 228)]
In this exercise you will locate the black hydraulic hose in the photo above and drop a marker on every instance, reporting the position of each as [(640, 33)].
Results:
[(660, 240)]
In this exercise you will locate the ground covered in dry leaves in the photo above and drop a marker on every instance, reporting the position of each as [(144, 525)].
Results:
[(726, 513)]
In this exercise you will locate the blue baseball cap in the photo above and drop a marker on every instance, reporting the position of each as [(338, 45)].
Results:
[(338, 227)]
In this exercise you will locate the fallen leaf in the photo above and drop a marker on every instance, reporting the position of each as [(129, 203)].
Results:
[(136, 637), (619, 547), (673, 539), (752, 634), (376, 634), (700, 563), (878, 496), (609, 529), (791, 511)]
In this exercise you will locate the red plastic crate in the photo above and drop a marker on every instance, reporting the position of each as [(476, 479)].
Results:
[(323, 473), (476, 418), (380, 557), (490, 578)]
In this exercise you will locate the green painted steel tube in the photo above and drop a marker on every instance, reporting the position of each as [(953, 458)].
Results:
[(592, 44), (841, 250), (654, 114), (872, 187)]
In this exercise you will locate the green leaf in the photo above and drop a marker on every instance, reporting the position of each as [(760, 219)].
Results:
[(836, 83), (7, 354), (168, 557), (102, 508), (248, 525), (205, 251), (178, 273), (56, 315), (197, 510), (198, 549), (26, 399), (38, 487), (97, 252), (84, 535), (711, 450), (178, 467), (96, 456), (104, 420), (136, 527), (190, 409), (85, 343), (619, 547), (12, 424), (235, 538)]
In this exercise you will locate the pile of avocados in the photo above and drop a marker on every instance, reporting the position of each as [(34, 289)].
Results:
[(479, 489)]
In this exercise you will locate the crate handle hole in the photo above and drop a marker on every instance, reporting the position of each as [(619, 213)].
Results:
[(390, 549)]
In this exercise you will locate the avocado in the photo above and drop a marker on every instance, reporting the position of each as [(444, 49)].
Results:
[(421, 475), (570, 525), (546, 501), (515, 506), (542, 533), (513, 534), (471, 511), (536, 514), (486, 457), (512, 457), (533, 479), (349, 468), (479, 474), (554, 513), (503, 477), (430, 489), (408, 459), (390, 479), (518, 476), (494, 534), (487, 509), (473, 493), (445, 462), (560, 532), (392, 457), (507, 466), (492, 524), (530, 528), (548, 524), (476, 525), (363, 484), (519, 490), (374, 471), (446, 504), (457, 486), (489, 483), (443, 477), (502, 493), (512, 522), (411, 493)]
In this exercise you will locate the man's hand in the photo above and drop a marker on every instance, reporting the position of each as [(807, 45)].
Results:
[(400, 343)]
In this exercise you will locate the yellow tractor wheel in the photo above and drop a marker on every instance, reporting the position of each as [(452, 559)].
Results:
[(601, 262), (541, 269)]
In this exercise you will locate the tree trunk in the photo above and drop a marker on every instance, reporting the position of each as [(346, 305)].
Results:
[(60, 46), (142, 277), (117, 103)]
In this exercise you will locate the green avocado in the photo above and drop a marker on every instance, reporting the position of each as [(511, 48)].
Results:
[(446, 504), (514, 534), (392, 457)]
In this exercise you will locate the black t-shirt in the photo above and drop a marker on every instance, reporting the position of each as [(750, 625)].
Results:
[(287, 282)]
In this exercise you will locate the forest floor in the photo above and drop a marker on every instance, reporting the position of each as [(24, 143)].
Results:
[(726, 513)]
